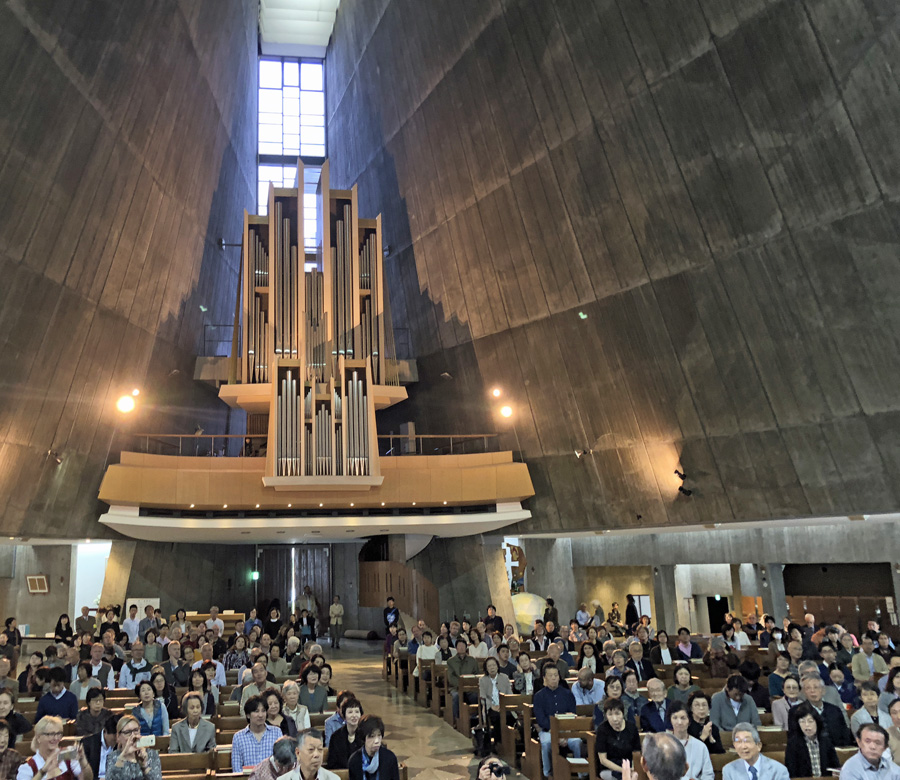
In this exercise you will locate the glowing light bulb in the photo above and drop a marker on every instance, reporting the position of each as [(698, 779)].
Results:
[(496, 392), (506, 411), (125, 404)]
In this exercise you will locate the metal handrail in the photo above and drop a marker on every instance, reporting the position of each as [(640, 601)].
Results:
[(250, 445)]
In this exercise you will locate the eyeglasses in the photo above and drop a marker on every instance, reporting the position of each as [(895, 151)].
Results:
[(743, 741), (53, 734), (128, 732)]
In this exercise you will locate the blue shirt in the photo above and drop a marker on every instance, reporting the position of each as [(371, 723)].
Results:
[(548, 702), (247, 750), (592, 696), (332, 724), (858, 768)]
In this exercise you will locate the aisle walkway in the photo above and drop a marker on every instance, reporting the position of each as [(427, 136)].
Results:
[(430, 748)]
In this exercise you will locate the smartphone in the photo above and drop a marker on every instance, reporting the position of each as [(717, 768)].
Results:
[(148, 741), (68, 753)]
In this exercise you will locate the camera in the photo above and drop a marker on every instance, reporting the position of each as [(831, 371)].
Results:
[(498, 770)]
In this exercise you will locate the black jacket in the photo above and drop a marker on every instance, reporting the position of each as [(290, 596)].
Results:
[(91, 747), (340, 749), (796, 756), (388, 768), (647, 672), (835, 726)]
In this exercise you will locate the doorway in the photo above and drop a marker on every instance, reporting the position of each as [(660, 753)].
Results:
[(716, 608)]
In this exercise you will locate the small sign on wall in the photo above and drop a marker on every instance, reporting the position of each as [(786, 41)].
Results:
[(37, 584)]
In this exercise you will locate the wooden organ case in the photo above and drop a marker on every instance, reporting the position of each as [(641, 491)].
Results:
[(319, 340)]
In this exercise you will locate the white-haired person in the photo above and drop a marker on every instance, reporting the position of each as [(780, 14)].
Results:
[(46, 759)]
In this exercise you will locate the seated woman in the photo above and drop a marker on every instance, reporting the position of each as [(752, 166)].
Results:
[(809, 751), (209, 670), (150, 712), (193, 734), (325, 680), (277, 666), (373, 761), (344, 742), (18, 723), (109, 622), (490, 686), (27, 682), (617, 740), (683, 684), (894, 730), (615, 689), (779, 675), (587, 657), (719, 658), (200, 685), (10, 758), (781, 707), (237, 657), (660, 653), (445, 652), (63, 631), (891, 689), (701, 726), (275, 713), (869, 712), (46, 762), (128, 761), (84, 682), (166, 694), (619, 659), (153, 650), (697, 754), (290, 694), (477, 647), (90, 719), (313, 697)]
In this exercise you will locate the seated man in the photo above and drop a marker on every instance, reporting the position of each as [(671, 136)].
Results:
[(507, 666), (750, 671), (846, 690), (255, 743), (810, 668), (829, 657), (260, 682), (206, 654), (588, 690), (137, 669), (867, 663), (751, 764), (457, 666), (551, 700), (100, 668), (57, 701), (642, 666), (685, 650), (733, 706), (539, 639), (655, 714), (871, 762), (554, 653), (833, 717)]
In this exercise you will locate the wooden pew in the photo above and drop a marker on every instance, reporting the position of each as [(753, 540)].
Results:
[(438, 687), (468, 683), (193, 764), (531, 755), (510, 704), (578, 727), (425, 692)]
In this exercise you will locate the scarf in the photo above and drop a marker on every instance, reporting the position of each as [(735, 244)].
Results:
[(370, 765)]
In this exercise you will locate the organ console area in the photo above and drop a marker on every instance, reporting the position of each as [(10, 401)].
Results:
[(315, 339)]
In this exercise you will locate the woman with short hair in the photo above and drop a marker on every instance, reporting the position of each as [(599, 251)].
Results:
[(345, 741), (312, 696), (45, 762), (166, 694), (192, 734), (150, 712), (128, 761), (275, 713), (373, 761), (84, 682), (200, 685), (10, 758), (290, 693), (93, 716)]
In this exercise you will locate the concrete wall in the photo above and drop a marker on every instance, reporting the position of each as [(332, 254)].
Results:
[(547, 573), (345, 560), (668, 230), (40, 612), (127, 149), (611, 583)]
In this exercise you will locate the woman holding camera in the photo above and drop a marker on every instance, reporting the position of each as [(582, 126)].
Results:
[(48, 760), (130, 761), (491, 768)]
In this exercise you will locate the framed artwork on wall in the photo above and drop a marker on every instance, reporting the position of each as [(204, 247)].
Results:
[(37, 584)]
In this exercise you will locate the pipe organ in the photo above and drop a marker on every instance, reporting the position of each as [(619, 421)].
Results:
[(320, 337)]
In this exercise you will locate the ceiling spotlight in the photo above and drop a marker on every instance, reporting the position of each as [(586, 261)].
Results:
[(445, 503), (683, 490), (125, 404), (496, 392), (414, 503), (352, 504), (55, 456), (680, 475), (581, 453), (290, 505), (257, 506), (192, 506), (382, 503), (321, 504), (506, 411), (135, 392)]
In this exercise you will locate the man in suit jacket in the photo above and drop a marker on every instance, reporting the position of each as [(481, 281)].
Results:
[(97, 746), (733, 706), (205, 737), (655, 715), (814, 689), (867, 662), (642, 666), (751, 764), (86, 623)]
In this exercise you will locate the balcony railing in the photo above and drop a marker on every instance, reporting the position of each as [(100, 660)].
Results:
[(237, 445)]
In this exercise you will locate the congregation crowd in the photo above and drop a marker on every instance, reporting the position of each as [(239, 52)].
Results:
[(823, 688), (112, 693)]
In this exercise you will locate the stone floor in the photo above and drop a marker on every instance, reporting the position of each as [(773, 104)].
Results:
[(430, 748)]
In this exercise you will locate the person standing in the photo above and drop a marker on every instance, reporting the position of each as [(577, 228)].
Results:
[(391, 614), (336, 622)]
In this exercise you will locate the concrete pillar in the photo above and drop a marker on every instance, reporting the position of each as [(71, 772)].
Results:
[(497, 578), (891, 619), (550, 573), (774, 601), (737, 592), (665, 598), (396, 548), (118, 572)]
